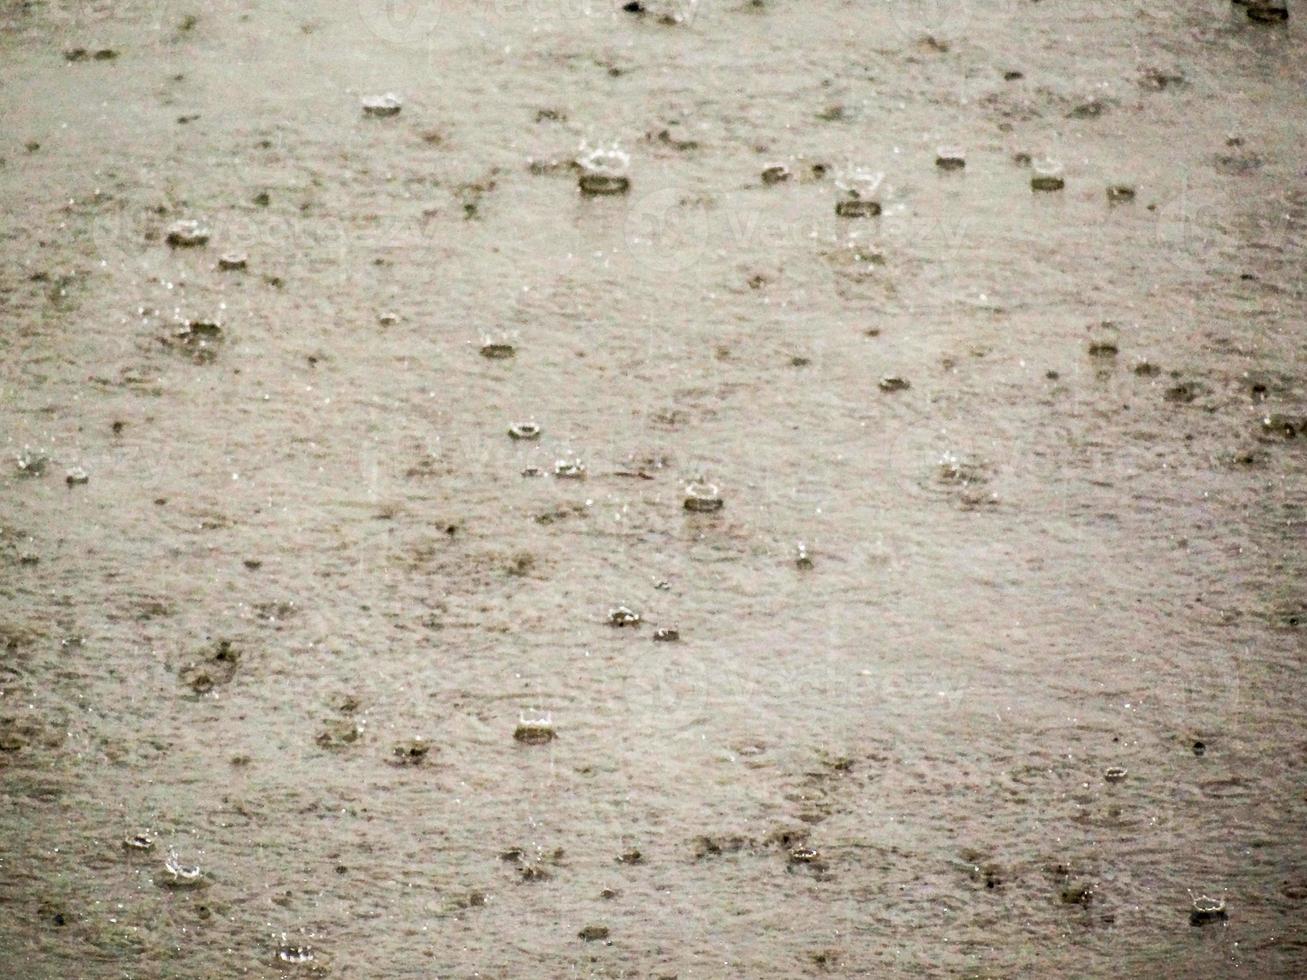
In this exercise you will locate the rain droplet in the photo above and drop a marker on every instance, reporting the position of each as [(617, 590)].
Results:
[(187, 234), (703, 497), (623, 616), (1047, 175), (603, 170), (534, 729), (381, 106)]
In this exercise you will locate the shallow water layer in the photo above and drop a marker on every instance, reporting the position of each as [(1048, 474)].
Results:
[(1001, 511)]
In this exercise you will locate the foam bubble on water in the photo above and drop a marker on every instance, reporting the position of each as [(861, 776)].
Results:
[(178, 875), (608, 160), (702, 496), (948, 157), (294, 954), (1205, 909), (569, 468), (1047, 175), (187, 233), (603, 170), (623, 616), (534, 727), (31, 462), (387, 104)]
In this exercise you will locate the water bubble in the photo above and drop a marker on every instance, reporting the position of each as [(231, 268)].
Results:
[(1183, 393), (1076, 893), (1105, 339), (1205, 909), (187, 233), (703, 497), (1047, 175), (623, 616), (206, 329), (1279, 426), (218, 667), (296, 955), (339, 732), (950, 158), (524, 430), (1147, 369), (178, 875), (957, 470), (804, 855), (380, 106), (802, 559), (534, 729), (199, 339), (569, 469), (603, 170), (31, 462), (411, 753)]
